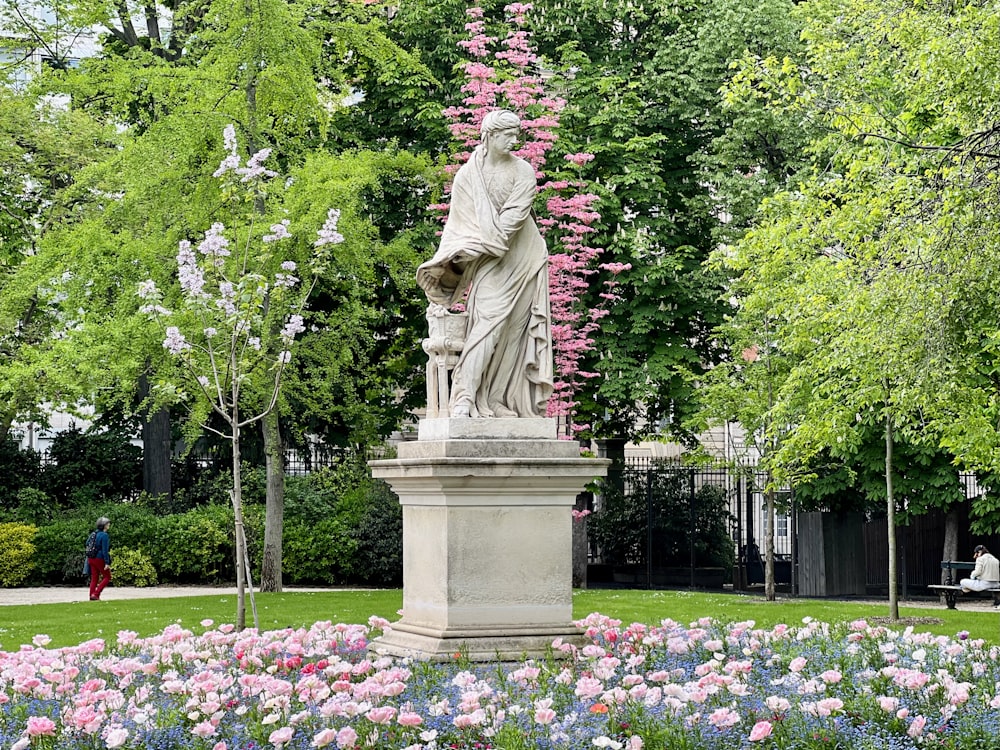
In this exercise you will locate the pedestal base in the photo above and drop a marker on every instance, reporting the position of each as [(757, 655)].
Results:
[(476, 644), (487, 540)]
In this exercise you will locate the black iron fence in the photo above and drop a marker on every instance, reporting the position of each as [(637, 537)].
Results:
[(642, 559)]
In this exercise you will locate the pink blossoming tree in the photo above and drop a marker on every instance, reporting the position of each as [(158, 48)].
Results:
[(507, 74), (237, 315)]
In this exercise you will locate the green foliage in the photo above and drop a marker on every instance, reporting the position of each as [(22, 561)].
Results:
[(310, 499), (340, 527), (345, 484), (58, 555), (379, 532), (194, 484), (34, 506), (924, 477), (19, 468), (678, 515), (366, 508), (16, 561), (321, 553), (133, 568), (192, 547), (869, 285), (92, 467)]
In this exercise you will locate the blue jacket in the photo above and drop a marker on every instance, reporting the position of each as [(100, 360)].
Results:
[(104, 547)]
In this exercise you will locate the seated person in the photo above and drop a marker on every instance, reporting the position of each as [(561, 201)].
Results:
[(986, 574)]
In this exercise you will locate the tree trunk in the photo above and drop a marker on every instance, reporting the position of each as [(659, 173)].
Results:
[(274, 457), (237, 497), (769, 587), (890, 509), (950, 551), (157, 448)]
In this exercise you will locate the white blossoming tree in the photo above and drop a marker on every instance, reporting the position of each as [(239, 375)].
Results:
[(235, 319)]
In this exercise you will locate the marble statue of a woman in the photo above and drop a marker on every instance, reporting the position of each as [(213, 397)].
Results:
[(491, 246)]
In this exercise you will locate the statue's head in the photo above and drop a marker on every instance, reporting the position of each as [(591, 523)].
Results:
[(499, 121)]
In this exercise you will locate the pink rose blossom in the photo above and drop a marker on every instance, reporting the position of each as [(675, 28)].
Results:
[(40, 726), (346, 738), (281, 736), (761, 730)]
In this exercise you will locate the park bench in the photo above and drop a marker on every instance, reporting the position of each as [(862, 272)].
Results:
[(950, 588)]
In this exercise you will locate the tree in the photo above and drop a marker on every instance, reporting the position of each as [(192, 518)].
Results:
[(504, 74), (238, 306), (265, 68), (42, 148), (868, 258), (644, 83)]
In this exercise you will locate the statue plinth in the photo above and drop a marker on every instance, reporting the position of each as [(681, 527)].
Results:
[(487, 538)]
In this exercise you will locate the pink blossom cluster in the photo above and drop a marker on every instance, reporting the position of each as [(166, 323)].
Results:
[(510, 77), (717, 686), (222, 294)]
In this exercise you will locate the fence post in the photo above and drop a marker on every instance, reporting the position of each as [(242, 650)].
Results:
[(691, 524), (649, 527)]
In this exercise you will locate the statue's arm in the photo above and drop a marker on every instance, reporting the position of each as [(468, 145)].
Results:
[(517, 208)]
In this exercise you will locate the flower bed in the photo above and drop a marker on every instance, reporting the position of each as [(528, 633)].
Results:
[(702, 686)]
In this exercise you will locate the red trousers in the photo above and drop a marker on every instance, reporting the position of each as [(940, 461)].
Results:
[(100, 576)]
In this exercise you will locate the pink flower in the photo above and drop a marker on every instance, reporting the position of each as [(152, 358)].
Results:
[(116, 737), (346, 738), (409, 719), (797, 664), (381, 714), (281, 736), (723, 717), (545, 715), (204, 729), (831, 676), (917, 727), (888, 704), (39, 726), (588, 687), (324, 737), (761, 730), (827, 706)]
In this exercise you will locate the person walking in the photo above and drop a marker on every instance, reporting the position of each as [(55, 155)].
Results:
[(99, 559)]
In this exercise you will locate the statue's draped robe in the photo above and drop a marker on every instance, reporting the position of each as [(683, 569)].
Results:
[(491, 245)]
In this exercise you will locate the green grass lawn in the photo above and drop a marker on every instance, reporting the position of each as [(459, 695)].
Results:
[(69, 624)]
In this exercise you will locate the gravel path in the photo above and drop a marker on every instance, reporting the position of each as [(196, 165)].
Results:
[(64, 594)]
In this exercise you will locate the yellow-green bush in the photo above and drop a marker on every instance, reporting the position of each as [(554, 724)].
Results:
[(132, 567), (17, 541)]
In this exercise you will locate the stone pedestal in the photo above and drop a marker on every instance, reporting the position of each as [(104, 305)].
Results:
[(487, 538)]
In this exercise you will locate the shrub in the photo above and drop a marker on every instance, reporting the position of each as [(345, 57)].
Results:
[(133, 568), (58, 555), (309, 498), (318, 553), (199, 480), (34, 506), (19, 468), (379, 559), (16, 560), (92, 467), (195, 546), (347, 485)]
